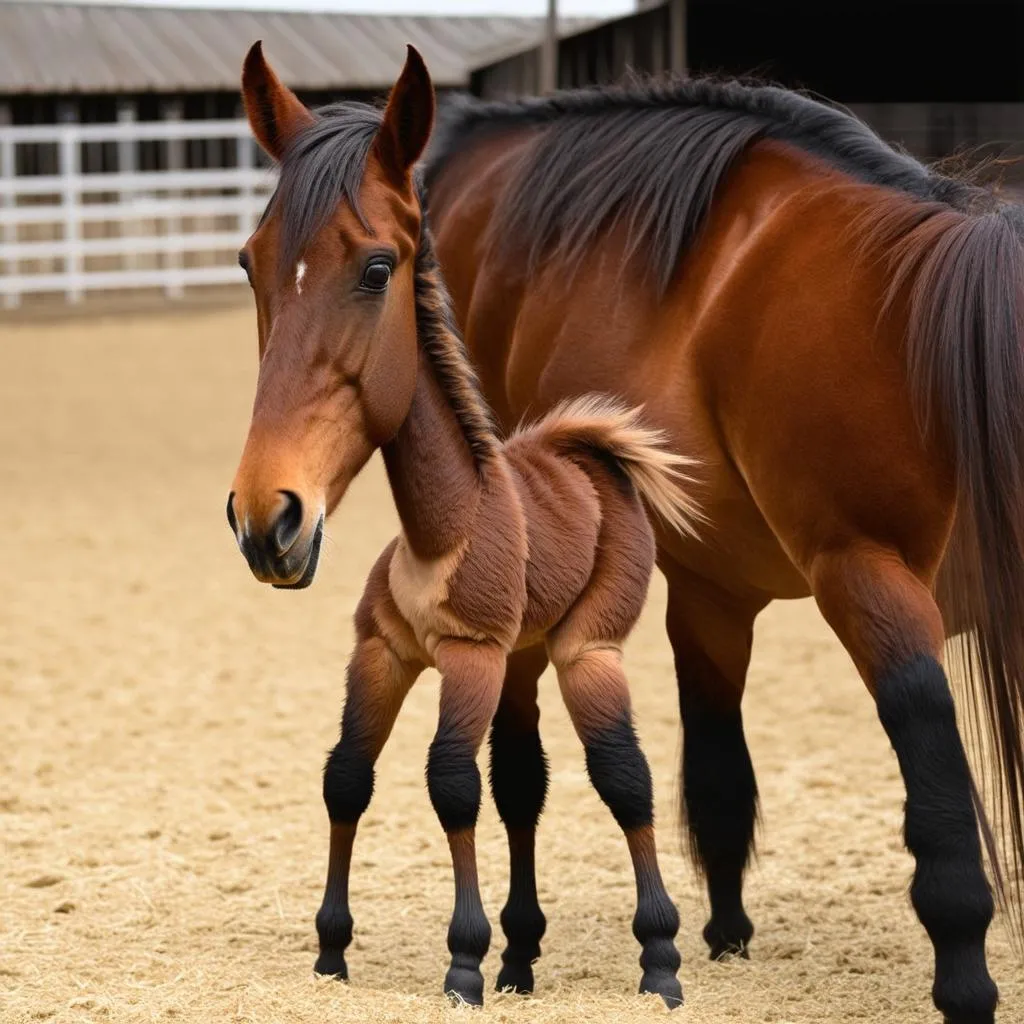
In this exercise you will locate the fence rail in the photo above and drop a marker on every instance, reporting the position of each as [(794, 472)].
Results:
[(71, 233)]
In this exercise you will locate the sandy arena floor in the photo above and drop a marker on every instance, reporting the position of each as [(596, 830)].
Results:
[(165, 721)]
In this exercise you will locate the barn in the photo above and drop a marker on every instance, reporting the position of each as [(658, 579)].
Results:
[(124, 161), (937, 78)]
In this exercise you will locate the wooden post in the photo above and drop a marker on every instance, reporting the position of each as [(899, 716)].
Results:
[(247, 220), (127, 163), (8, 235), (70, 168), (677, 36), (172, 110), (549, 51)]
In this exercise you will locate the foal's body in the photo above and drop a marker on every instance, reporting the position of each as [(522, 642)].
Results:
[(542, 540)]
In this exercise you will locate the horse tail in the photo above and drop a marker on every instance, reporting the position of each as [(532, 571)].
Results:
[(603, 425), (962, 275)]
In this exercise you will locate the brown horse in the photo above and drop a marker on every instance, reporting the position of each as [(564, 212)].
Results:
[(835, 332), (542, 539)]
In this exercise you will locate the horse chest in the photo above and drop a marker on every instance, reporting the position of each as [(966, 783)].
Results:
[(420, 589)]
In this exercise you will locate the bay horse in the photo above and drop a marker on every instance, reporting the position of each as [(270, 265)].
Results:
[(542, 539), (834, 331)]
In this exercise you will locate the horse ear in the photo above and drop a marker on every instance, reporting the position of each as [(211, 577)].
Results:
[(276, 115), (408, 119)]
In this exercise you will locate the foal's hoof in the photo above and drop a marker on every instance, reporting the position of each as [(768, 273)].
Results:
[(515, 976), (664, 984), (332, 962), (464, 985)]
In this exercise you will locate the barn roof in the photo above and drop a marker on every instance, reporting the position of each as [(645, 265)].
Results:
[(68, 47)]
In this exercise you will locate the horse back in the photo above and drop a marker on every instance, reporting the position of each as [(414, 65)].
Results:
[(765, 358)]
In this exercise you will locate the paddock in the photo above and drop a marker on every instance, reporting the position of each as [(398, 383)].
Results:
[(167, 718)]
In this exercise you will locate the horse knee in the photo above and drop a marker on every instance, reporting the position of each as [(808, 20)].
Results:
[(620, 773), (453, 781), (519, 775), (348, 783)]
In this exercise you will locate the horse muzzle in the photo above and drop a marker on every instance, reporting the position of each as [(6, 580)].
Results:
[(279, 552)]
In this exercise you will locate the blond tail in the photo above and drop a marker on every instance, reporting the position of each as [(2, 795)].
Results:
[(603, 424)]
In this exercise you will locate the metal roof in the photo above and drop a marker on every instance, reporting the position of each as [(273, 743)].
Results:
[(67, 47)]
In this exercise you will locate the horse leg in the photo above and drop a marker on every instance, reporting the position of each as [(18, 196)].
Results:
[(519, 783), (889, 622), (377, 683), (596, 695), (471, 679), (711, 635)]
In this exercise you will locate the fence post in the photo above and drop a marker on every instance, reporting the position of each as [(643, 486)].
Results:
[(549, 51), (127, 163), (246, 165), (173, 110), (8, 234), (67, 114), (677, 36)]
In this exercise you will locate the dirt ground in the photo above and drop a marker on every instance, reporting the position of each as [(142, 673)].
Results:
[(165, 720)]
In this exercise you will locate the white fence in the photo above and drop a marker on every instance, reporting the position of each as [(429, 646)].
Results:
[(71, 233)]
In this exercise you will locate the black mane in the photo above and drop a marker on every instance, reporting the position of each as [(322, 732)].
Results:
[(653, 152)]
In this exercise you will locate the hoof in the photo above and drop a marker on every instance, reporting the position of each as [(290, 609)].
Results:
[(664, 984), (332, 962), (729, 937), (517, 977), (963, 999), (463, 985), (726, 951)]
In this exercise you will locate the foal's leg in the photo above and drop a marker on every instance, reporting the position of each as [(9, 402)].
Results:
[(597, 697), (889, 622), (377, 683), (711, 635), (471, 677), (519, 783)]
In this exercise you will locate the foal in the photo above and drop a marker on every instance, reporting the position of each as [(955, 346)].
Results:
[(541, 539)]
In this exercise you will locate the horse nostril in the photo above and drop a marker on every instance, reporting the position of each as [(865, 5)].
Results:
[(289, 522), (232, 519)]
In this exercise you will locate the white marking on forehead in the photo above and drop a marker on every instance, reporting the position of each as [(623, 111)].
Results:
[(300, 273)]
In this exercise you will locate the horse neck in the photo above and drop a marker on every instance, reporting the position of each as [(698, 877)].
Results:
[(434, 476)]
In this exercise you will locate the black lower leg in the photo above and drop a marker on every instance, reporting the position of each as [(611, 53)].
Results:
[(453, 781), (949, 892), (519, 782), (622, 778), (348, 786), (720, 807)]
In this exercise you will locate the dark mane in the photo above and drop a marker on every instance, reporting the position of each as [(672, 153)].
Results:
[(652, 152), (323, 167), (440, 339)]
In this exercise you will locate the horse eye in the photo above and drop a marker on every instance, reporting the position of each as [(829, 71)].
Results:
[(376, 276), (245, 263)]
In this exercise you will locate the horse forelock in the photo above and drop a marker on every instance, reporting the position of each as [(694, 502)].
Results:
[(323, 166)]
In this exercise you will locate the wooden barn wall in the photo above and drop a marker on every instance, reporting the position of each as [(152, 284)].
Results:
[(990, 123)]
